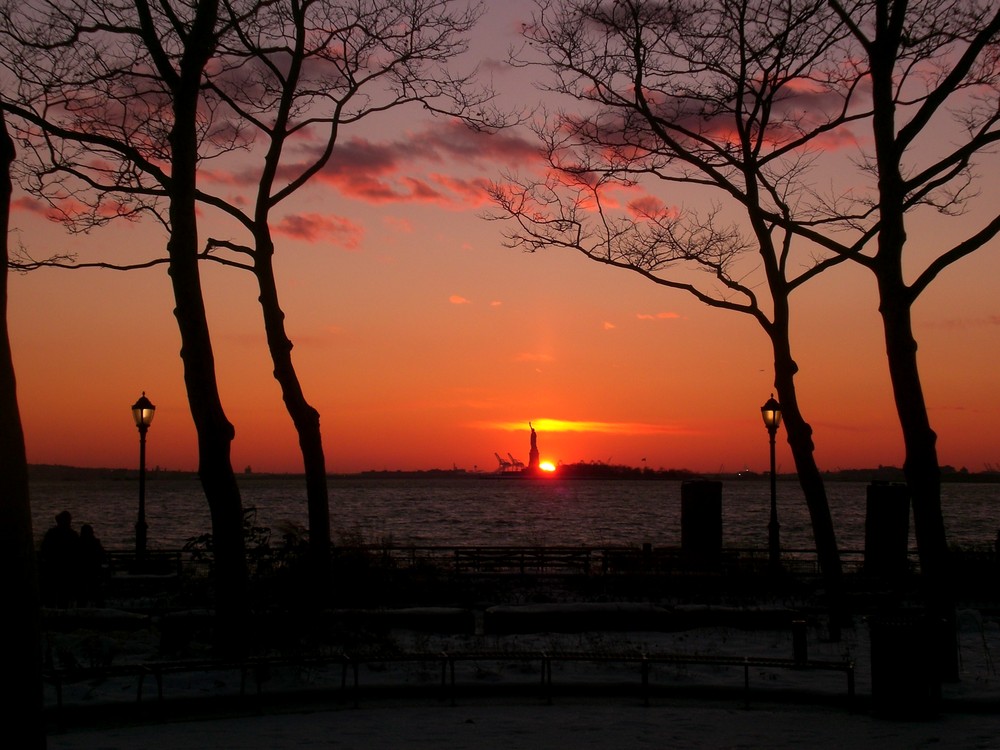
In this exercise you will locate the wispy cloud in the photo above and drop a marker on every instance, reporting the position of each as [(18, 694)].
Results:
[(647, 206), (31, 205), (335, 230), (457, 299), (568, 425), (66, 208), (658, 316), (383, 172)]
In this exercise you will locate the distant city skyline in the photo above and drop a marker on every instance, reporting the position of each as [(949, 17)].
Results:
[(425, 344)]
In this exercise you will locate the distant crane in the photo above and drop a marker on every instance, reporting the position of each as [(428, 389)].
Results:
[(504, 464), (517, 464)]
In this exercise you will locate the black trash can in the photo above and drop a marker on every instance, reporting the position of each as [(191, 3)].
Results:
[(887, 529), (701, 524), (906, 680)]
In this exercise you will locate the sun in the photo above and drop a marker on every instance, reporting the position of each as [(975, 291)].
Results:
[(547, 466)]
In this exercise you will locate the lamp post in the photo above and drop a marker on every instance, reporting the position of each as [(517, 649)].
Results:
[(771, 413), (142, 413)]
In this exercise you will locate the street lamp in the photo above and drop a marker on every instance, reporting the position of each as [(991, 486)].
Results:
[(771, 413), (142, 413)]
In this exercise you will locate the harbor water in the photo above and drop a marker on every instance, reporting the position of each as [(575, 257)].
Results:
[(469, 510)]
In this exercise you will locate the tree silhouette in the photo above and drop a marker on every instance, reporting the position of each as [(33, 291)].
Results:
[(695, 98), (21, 691), (931, 68), (107, 98), (282, 77), (297, 71)]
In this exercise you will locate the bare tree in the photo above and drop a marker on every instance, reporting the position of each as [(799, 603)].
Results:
[(107, 97), (931, 69), (286, 75), (705, 97), (927, 62), (21, 694), (297, 70)]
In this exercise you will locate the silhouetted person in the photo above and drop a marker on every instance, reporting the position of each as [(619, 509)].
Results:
[(91, 567), (60, 562)]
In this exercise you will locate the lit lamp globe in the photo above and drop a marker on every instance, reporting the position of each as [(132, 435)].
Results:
[(771, 413), (142, 412)]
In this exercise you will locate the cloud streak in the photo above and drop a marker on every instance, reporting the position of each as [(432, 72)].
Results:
[(586, 426), (658, 316), (380, 173), (335, 230)]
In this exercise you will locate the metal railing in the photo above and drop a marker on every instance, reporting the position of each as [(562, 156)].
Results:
[(534, 560)]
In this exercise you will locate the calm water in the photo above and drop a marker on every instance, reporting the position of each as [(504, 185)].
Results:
[(469, 511)]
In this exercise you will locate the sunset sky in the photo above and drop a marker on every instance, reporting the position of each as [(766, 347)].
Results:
[(424, 343)]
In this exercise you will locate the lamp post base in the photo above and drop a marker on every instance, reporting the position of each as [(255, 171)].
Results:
[(140, 541)]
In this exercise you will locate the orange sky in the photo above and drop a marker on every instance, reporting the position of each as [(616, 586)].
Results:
[(424, 343)]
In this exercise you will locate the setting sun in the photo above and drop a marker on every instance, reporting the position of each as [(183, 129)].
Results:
[(547, 466)]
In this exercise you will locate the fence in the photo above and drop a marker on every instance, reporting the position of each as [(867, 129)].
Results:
[(531, 560)]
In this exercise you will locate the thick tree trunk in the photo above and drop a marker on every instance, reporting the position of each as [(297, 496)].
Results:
[(21, 691), (304, 417), (215, 433), (920, 466), (895, 305), (923, 475), (799, 434)]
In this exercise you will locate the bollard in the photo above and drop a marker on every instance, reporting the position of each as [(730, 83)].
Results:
[(701, 524), (887, 528)]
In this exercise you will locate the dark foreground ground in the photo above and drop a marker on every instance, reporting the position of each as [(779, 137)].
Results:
[(413, 656)]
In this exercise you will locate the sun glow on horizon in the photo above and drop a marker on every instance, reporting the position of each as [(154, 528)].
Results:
[(577, 426), (547, 466)]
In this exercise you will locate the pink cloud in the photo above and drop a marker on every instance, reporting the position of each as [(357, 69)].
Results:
[(457, 299), (471, 192), (389, 172), (650, 207), (30, 205), (395, 171), (70, 208), (314, 228)]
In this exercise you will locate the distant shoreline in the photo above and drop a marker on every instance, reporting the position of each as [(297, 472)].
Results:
[(54, 472)]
